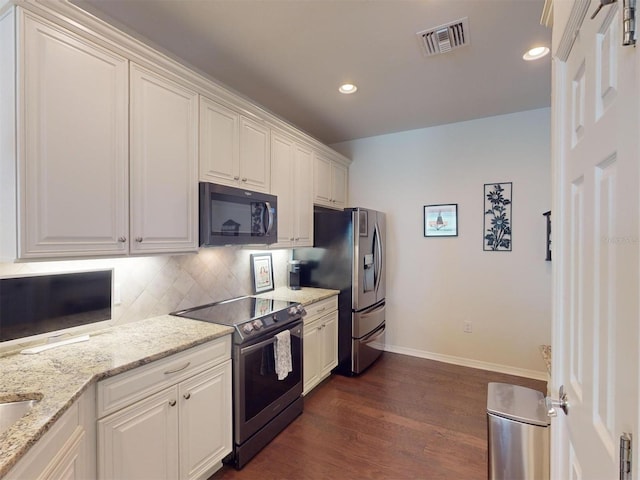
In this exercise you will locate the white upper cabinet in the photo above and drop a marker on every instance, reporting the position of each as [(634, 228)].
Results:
[(219, 143), (282, 164), (255, 159), (164, 164), (303, 194), (330, 182), (104, 140), (234, 150), (73, 168), (291, 181)]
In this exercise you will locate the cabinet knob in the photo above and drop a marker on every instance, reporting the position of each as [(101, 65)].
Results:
[(291, 239), (297, 238), (172, 403), (244, 179), (187, 396), (122, 239), (236, 178), (139, 239)]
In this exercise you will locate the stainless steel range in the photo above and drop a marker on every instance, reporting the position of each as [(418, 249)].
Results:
[(263, 405)]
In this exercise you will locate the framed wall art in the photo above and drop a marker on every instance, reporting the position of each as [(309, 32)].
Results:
[(497, 217), (261, 272), (441, 220)]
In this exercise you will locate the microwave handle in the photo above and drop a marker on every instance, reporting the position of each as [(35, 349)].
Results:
[(270, 222)]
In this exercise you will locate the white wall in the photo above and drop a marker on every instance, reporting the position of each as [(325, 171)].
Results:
[(434, 285)]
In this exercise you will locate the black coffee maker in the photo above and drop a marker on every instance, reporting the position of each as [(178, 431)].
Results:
[(294, 274)]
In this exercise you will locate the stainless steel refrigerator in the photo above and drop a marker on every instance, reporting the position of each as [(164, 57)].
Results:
[(349, 255)]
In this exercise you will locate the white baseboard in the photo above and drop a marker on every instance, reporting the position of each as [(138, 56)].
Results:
[(467, 362)]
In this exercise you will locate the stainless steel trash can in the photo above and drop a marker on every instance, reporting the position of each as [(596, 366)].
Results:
[(518, 433)]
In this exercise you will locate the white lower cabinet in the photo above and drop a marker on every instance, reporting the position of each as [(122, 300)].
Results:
[(67, 451), (320, 342), (181, 431)]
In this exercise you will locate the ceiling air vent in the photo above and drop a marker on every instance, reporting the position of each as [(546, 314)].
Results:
[(445, 38)]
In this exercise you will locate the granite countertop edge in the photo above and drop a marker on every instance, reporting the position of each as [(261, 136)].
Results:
[(305, 295), (58, 377)]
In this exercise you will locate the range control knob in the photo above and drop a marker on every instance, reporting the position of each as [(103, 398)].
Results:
[(300, 309), (275, 317)]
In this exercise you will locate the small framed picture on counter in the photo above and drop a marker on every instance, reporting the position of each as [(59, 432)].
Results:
[(441, 220), (261, 272)]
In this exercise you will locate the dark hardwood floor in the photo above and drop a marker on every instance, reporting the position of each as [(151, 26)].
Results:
[(404, 418)]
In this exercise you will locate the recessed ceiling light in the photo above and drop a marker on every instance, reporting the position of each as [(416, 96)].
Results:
[(347, 88), (536, 53)]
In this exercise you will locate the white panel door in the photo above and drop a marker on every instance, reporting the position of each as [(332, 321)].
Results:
[(338, 185), (255, 163), (219, 143), (282, 185), (322, 180), (73, 165), (596, 255), (329, 344), (303, 195), (205, 421), (312, 352), (141, 441), (164, 164)]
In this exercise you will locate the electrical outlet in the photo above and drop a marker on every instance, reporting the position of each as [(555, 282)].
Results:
[(468, 327)]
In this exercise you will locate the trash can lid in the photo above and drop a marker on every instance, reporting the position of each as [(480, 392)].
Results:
[(517, 403)]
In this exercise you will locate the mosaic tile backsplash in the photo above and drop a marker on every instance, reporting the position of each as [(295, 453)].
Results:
[(151, 286)]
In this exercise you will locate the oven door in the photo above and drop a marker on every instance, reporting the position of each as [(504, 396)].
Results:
[(258, 394)]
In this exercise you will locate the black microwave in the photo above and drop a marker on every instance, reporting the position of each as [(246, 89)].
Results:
[(233, 216)]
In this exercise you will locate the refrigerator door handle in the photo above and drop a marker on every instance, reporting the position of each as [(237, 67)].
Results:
[(379, 262)]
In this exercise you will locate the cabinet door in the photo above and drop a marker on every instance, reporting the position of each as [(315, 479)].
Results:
[(282, 185), (303, 197), (255, 163), (69, 465), (338, 185), (219, 143), (164, 146), (329, 344), (141, 441), (311, 356), (205, 421), (73, 145), (322, 180)]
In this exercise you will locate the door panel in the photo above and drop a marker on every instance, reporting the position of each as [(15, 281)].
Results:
[(595, 302), (366, 258)]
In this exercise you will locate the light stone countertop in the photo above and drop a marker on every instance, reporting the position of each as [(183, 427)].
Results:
[(545, 351), (306, 295), (60, 375)]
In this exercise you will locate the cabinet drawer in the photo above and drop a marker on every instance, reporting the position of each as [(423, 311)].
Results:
[(317, 309), (117, 392)]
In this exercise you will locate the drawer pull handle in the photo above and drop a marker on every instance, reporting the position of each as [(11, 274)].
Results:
[(322, 309), (172, 403), (187, 396), (169, 372)]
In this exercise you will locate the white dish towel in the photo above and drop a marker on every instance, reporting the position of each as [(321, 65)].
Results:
[(282, 351)]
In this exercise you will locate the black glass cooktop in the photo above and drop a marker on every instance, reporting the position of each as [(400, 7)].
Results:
[(236, 310)]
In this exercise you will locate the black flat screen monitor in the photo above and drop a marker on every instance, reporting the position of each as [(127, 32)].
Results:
[(46, 303)]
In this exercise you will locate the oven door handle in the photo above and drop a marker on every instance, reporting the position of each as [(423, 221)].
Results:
[(257, 346)]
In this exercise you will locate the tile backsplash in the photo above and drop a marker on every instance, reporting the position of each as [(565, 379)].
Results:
[(150, 286)]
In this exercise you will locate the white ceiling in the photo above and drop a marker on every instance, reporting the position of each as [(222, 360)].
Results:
[(290, 56)]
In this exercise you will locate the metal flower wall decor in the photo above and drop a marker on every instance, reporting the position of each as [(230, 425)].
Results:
[(497, 216)]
